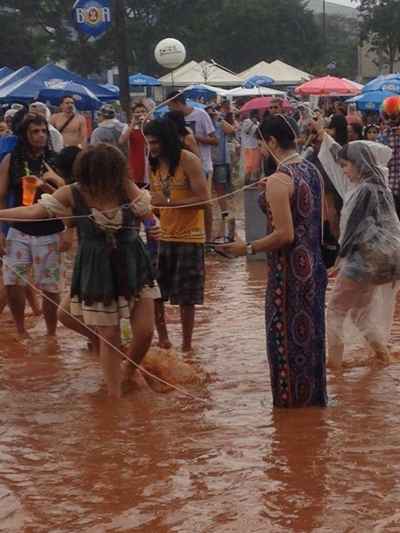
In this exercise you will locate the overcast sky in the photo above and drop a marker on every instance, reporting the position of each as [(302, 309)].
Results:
[(344, 2)]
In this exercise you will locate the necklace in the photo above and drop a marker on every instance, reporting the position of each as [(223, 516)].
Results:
[(288, 158)]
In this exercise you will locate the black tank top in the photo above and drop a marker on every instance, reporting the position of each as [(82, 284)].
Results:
[(17, 171)]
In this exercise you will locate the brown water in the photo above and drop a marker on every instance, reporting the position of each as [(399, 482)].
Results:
[(73, 461)]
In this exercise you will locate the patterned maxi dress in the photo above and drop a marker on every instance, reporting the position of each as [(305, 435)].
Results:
[(295, 299)]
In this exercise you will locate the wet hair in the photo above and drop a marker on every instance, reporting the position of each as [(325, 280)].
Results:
[(17, 119), (178, 118), (65, 162), (279, 127), (101, 170), (253, 113), (27, 121), (165, 131), (176, 96)]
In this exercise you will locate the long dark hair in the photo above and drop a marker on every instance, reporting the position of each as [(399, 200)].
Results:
[(102, 171), (171, 147), (178, 118), (22, 151), (22, 130)]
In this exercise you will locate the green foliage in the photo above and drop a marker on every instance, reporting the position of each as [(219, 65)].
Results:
[(236, 33), (380, 27)]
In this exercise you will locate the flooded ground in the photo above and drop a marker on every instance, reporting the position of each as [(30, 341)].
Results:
[(73, 461)]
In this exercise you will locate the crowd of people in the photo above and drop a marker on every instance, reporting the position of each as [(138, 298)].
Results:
[(329, 185)]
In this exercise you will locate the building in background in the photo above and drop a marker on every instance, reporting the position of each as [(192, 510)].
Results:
[(370, 64)]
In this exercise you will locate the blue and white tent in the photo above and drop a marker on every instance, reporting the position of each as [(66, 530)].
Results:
[(142, 80), (28, 89), (18, 75), (5, 71)]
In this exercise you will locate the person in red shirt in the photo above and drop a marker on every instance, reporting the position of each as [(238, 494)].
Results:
[(137, 154)]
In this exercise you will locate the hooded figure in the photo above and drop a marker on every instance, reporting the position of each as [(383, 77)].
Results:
[(362, 303)]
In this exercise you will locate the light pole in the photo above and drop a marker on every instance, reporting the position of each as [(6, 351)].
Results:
[(121, 41)]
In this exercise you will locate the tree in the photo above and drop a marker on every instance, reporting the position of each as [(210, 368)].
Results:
[(341, 47), (380, 27)]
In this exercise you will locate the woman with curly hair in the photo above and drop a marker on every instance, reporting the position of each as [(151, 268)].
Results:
[(112, 277)]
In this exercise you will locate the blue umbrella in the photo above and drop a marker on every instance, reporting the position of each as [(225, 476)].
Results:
[(160, 112), (258, 81), (84, 98), (200, 91), (371, 100), (142, 80), (389, 83), (110, 87)]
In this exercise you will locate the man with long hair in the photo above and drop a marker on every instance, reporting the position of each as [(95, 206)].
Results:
[(30, 245), (178, 184)]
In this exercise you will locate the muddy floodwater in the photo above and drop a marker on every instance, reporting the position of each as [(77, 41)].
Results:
[(73, 461)]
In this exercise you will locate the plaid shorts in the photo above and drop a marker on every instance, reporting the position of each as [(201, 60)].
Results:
[(181, 273)]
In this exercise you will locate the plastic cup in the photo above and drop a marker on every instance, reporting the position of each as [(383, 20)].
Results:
[(30, 185)]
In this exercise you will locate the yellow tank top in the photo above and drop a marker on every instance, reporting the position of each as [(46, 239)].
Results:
[(183, 224)]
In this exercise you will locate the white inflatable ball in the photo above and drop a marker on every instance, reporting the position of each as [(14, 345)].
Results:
[(170, 53)]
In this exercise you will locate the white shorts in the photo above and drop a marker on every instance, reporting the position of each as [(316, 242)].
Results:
[(39, 254)]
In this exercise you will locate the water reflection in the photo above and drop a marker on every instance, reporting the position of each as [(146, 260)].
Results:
[(73, 461)]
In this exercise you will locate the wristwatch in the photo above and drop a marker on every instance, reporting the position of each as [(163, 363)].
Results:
[(250, 249)]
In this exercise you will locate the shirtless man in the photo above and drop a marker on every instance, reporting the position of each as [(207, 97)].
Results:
[(70, 124)]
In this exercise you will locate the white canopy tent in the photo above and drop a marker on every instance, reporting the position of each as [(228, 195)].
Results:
[(256, 91), (280, 72), (193, 73)]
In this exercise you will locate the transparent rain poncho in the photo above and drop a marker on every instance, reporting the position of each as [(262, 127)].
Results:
[(361, 306)]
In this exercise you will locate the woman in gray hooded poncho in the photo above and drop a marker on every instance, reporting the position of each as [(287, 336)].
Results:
[(361, 305)]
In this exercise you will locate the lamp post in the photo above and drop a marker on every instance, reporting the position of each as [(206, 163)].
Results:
[(121, 40)]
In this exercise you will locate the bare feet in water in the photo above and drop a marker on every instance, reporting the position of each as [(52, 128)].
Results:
[(165, 344)]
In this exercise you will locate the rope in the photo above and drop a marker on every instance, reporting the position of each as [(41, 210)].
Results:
[(180, 390), (195, 204), (124, 206)]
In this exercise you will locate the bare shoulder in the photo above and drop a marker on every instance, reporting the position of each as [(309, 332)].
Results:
[(5, 162), (189, 158), (56, 117), (280, 178), (65, 196), (279, 183)]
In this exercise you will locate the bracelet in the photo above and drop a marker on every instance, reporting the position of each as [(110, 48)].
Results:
[(250, 249)]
